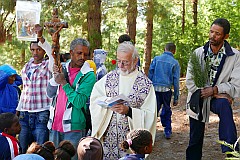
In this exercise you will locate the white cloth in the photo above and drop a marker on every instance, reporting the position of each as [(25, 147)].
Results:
[(145, 117), (48, 49)]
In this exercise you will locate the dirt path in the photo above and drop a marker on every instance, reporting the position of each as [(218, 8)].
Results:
[(175, 147)]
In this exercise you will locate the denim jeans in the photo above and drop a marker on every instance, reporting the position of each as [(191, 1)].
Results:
[(74, 137), (34, 128), (164, 102)]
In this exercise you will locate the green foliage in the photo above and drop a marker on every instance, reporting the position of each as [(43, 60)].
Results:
[(234, 153), (166, 26), (7, 5), (198, 71)]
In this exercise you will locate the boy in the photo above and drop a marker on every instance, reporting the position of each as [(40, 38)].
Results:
[(9, 127)]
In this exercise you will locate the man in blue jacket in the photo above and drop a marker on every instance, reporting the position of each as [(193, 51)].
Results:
[(164, 72)]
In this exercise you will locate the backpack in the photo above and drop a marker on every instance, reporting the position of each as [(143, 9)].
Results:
[(86, 112)]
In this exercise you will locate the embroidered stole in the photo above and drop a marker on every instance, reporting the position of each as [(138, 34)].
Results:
[(119, 127)]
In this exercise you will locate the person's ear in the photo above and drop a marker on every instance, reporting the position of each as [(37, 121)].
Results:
[(135, 61), (5, 130), (146, 148), (174, 51), (226, 36), (71, 53)]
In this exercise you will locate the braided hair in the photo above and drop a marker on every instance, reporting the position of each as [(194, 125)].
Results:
[(65, 151), (137, 140), (45, 150)]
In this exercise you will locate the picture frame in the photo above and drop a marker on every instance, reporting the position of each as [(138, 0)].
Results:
[(27, 15)]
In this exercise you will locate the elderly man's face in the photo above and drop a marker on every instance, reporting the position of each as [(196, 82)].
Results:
[(126, 63)]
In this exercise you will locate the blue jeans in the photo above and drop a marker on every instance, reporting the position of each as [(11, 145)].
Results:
[(34, 128), (164, 99), (74, 137), (227, 129)]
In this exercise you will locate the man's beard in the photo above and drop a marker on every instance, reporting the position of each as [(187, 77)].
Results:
[(125, 73), (215, 43)]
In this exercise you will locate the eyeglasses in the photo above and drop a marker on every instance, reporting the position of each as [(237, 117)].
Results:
[(123, 62)]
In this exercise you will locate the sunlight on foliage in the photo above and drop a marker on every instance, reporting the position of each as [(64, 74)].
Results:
[(234, 153)]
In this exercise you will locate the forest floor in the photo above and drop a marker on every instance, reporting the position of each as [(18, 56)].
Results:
[(175, 148)]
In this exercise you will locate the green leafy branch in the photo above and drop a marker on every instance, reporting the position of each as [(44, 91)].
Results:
[(234, 153), (199, 73)]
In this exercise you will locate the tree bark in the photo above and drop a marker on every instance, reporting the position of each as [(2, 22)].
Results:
[(131, 19), (195, 2), (94, 25), (23, 55), (149, 35), (183, 16), (6, 27)]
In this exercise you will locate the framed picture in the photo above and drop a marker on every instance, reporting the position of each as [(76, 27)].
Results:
[(27, 15)]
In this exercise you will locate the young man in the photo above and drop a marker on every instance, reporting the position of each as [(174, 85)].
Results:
[(9, 128), (164, 72), (112, 124), (67, 119), (34, 103), (223, 85)]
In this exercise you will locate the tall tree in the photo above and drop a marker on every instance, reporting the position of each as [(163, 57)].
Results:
[(183, 16), (195, 3), (94, 24), (149, 36), (131, 19), (6, 8)]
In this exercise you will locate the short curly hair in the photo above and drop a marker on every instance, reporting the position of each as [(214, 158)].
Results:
[(79, 41)]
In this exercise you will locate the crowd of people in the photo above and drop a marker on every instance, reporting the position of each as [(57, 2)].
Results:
[(58, 115)]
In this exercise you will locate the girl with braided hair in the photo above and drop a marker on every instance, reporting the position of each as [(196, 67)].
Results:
[(65, 151), (35, 151), (139, 142)]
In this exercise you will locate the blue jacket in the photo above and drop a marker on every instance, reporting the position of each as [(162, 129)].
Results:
[(5, 153), (164, 71), (9, 94), (133, 157)]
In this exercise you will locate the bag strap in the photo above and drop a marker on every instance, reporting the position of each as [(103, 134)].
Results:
[(64, 69)]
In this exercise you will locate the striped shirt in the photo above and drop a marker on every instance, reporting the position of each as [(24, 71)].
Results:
[(9, 146), (161, 89)]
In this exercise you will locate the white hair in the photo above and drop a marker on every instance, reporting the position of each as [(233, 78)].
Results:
[(126, 48)]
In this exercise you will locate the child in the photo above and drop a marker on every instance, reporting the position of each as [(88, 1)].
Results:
[(9, 91), (65, 151), (38, 152), (140, 143), (9, 127), (90, 148)]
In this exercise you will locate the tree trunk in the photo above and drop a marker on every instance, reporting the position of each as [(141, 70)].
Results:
[(131, 19), (23, 54), (149, 35), (183, 16), (195, 2), (94, 24), (5, 25)]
